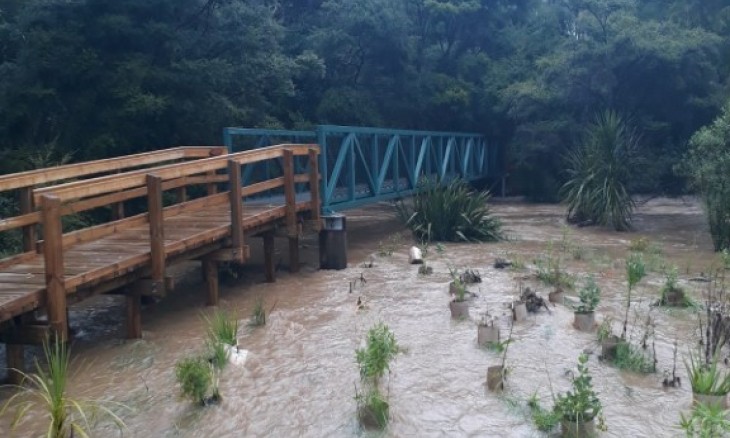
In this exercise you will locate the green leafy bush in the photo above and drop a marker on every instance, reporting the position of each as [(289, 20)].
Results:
[(582, 403), (707, 165), (599, 172), (195, 378), (589, 296), (374, 359), (450, 212)]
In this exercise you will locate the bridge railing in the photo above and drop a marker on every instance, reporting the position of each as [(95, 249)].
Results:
[(364, 165)]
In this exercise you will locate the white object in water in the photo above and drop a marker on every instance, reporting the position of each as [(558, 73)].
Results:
[(236, 356), (414, 256)]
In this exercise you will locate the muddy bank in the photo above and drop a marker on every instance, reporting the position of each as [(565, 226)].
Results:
[(300, 376)]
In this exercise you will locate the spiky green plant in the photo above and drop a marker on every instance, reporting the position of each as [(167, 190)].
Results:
[(218, 354), (706, 421), (47, 390), (707, 378), (450, 212), (599, 171), (222, 327), (258, 315)]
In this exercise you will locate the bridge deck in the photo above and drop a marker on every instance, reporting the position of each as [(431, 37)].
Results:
[(22, 286)]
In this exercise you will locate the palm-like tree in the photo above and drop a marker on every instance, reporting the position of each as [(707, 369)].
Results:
[(599, 171)]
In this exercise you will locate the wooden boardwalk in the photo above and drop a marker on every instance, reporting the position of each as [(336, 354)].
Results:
[(129, 255)]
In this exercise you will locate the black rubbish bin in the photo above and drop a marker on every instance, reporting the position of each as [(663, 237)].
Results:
[(333, 242)]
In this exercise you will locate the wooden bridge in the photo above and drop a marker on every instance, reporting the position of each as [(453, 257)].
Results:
[(188, 203)]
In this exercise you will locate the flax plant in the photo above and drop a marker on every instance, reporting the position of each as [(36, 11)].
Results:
[(46, 392)]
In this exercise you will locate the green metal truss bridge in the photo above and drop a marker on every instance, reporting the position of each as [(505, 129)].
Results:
[(366, 165)]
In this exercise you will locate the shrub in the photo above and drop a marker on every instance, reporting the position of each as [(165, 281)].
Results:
[(599, 172), (589, 296), (380, 349), (195, 378), (450, 212), (582, 403), (707, 165)]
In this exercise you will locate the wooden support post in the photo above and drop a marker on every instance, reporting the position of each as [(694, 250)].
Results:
[(29, 231), (269, 267), (236, 198), (157, 233), (210, 267), (117, 208), (291, 210), (212, 188), (134, 315), (181, 194), (314, 187), (53, 257), (16, 363)]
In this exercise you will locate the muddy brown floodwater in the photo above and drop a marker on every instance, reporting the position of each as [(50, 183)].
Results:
[(299, 380)]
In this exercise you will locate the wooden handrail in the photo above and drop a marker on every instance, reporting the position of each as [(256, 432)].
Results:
[(127, 180), (68, 171)]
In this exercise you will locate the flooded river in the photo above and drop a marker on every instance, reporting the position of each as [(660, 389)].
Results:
[(299, 379)]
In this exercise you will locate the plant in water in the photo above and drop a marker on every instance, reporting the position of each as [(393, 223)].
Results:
[(630, 357), (550, 272), (589, 296), (195, 377), (599, 172), (581, 404), (222, 327), (706, 421), (374, 360), (671, 293), (450, 212), (635, 271), (460, 288), (707, 378), (258, 315), (46, 390), (545, 420)]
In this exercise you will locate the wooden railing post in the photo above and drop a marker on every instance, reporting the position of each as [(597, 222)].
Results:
[(29, 231), (314, 187), (291, 210), (157, 233), (118, 207), (236, 198), (53, 258)]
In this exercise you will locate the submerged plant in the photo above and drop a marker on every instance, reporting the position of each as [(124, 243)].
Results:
[(707, 378), (258, 315), (582, 403), (630, 357), (589, 296), (222, 327), (195, 378), (545, 420), (706, 421), (46, 390), (635, 271), (450, 212), (374, 360)]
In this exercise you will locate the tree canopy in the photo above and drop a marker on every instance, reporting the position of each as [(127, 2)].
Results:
[(97, 78)]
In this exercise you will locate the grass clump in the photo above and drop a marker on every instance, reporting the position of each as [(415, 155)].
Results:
[(631, 358), (450, 212), (545, 420), (46, 391), (258, 314), (550, 271), (195, 376), (222, 327)]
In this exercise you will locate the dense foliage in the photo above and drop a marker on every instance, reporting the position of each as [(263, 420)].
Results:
[(98, 77), (451, 213), (708, 167)]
